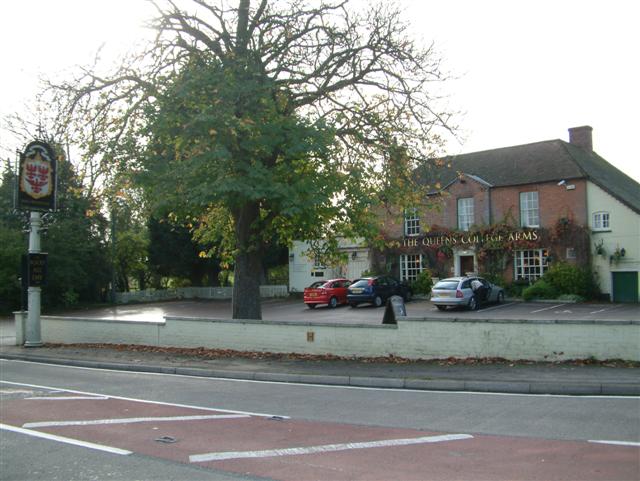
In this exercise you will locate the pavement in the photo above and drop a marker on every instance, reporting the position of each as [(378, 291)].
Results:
[(566, 378)]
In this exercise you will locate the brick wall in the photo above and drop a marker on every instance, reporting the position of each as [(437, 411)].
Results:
[(555, 202)]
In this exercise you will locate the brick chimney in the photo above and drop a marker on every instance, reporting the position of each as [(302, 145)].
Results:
[(581, 137)]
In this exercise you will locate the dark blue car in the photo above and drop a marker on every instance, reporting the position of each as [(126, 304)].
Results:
[(376, 290)]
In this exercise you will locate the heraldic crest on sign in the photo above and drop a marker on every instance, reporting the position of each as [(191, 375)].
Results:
[(37, 179)]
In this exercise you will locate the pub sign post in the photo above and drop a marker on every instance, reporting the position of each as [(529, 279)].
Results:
[(37, 186)]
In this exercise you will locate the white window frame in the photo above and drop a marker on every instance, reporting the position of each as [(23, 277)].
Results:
[(410, 266), (530, 264), (601, 221), (411, 223), (529, 209), (465, 213)]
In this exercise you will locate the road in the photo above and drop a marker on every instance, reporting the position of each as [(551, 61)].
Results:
[(144, 426)]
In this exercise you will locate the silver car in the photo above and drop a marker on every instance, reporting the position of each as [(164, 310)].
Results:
[(468, 292)]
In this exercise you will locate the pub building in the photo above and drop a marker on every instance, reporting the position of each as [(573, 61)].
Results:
[(511, 213)]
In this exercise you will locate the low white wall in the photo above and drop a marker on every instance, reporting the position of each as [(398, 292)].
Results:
[(148, 295), (413, 338)]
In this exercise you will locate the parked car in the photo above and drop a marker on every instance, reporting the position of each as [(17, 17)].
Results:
[(376, 290), (459, 292), (331, 293)]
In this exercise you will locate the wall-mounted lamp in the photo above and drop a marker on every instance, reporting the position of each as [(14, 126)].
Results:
[(354, 255), (562, 182), (291, 256)]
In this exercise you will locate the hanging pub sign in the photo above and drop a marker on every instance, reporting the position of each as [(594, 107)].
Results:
[(37, 177)]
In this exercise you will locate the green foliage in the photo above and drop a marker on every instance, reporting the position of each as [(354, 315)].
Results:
[(13, 246), (70, 298), (515, 289), (131, 258), (570, 279), (78, 264), (540, 290), (423, 283), (494, 277), (173, 253), (374, 272), (268, 125), (278, 275)]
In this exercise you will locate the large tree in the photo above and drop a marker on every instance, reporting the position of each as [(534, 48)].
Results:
[(287, 120)]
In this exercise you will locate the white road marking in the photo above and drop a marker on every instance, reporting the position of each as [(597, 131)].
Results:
[(499, 306), (199, 458), (547, 308), (94, 422), (122, 398), (297, 384), (67, 398), (608, 308), (617, 443), (62, 439)]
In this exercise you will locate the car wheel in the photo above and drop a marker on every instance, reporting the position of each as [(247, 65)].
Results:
[(333, 302), (442, 308), (311, 306), (353, 304), (500, 297), (377, 301), (473, 303)]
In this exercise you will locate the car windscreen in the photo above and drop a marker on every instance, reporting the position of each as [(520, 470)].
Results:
[(447, 285), (360, 283)]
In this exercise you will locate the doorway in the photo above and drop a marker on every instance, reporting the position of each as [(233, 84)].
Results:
[(466, 265), (625, 286)]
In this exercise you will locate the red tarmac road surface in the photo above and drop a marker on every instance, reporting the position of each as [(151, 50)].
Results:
[(289, 449)]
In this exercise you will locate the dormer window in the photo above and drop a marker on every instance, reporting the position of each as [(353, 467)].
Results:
[(411, 222), (600, 221)]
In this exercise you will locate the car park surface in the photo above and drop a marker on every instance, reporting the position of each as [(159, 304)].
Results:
[(294, 310)]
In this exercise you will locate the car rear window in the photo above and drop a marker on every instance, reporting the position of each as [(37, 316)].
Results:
[(317, 284), (360, 283), (447, 285)]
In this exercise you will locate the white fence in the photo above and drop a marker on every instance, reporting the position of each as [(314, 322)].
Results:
[(149, 295)]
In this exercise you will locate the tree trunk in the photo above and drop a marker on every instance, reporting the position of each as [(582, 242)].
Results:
[(248, 264)]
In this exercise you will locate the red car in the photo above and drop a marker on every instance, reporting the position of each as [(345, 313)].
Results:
[(332, 293)]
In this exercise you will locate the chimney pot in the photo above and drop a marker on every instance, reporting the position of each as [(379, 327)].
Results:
[(581, 137)]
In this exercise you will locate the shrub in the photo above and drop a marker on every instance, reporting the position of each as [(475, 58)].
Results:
[(570, 279), (423, 283), (516, 288), (494, 278), (540, 290)]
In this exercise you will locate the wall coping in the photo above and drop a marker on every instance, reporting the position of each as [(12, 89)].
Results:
[(612, 322), (595, 322), (104, 319), (280, 323)]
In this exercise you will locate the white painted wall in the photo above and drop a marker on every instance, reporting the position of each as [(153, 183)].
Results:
[(150, 295), (413, 338), (301, 267), (625, 232)]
